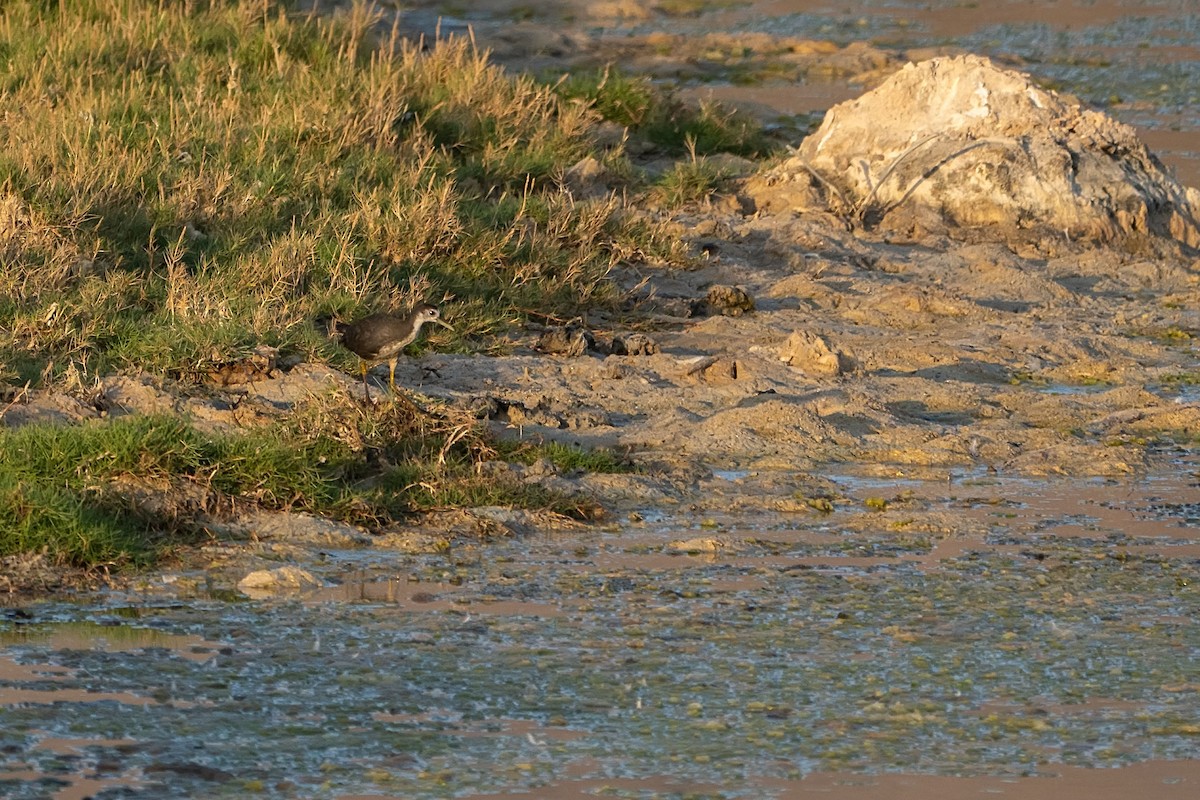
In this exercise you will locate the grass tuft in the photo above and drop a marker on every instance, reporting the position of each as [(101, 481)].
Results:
[(667, 122), (565, 458), (689, 180)]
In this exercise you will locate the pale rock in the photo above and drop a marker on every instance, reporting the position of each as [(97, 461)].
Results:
[(812, 355), (266, 582), (960, 142)]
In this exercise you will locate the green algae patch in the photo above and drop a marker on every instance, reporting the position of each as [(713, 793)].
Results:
[(1030, 649)]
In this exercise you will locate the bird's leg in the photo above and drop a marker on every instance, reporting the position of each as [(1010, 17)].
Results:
[(362, 366), (392, 375)]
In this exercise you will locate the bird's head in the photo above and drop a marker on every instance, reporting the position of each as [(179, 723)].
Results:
[(427, 313)]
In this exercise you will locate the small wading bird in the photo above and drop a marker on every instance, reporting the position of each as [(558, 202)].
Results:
[(381, 337)]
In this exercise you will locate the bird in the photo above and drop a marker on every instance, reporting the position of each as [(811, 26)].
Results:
[(380, 337)]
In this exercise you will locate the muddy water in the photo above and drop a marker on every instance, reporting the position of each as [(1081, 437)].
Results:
[(919, 639), (1139, 60)]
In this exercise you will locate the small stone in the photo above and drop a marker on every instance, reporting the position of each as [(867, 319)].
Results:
[(700, 544), (568, 340), (608, 135), (634, 344), (265, 582), (614, 369), (727, 301), (584, 178), (812, 355), (720, 372), (540, 468)]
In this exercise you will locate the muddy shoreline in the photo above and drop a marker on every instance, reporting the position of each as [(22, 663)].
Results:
[(908, 351)]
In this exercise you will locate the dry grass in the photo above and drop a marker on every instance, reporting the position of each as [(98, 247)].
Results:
[(182, 183)]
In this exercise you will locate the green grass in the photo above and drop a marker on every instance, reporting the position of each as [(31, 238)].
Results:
[(140, 486), (566, 458), (663, 120), (688, 181), (182, 183)]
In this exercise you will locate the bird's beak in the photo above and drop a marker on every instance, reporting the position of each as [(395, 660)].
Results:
[(444, 324)]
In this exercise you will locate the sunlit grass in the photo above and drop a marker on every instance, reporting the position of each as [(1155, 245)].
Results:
[(125, 491), (635, 103), (564, 457), (183, 182)]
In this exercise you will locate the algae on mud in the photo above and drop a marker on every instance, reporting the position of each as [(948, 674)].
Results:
[(744, 671)]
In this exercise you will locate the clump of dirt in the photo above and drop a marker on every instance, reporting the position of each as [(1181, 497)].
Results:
[(812, 355), (566, 340), (960, 143), (730, 301)]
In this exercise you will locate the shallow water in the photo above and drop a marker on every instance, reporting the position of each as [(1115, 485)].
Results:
[(974, 633)]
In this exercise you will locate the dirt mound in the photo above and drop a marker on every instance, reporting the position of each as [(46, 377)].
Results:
[(959, 142)]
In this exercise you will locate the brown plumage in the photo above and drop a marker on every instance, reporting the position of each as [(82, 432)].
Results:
[(380, 337)]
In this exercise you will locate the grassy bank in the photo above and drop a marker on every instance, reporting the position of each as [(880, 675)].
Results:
[(138, 486), (182, 183)]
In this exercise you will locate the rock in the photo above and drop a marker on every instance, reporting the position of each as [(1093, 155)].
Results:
[(568, 340), (700, 544), (962, 141), (584, 178), (633, 344), (608, 135), (540, 468), (728, 301), (720, 372), (812, 355), (296, 527), (266, 582)]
